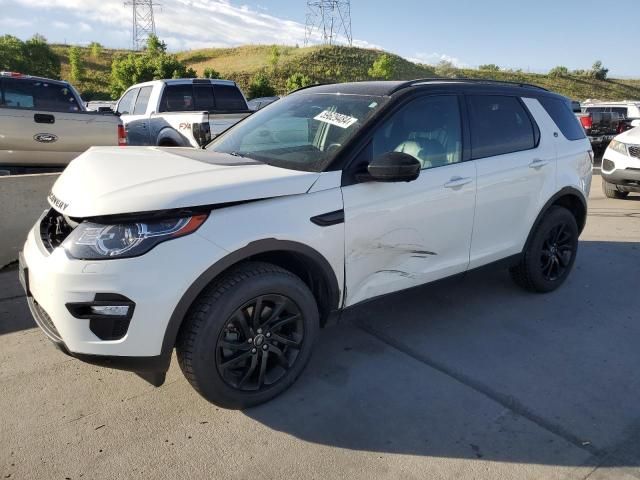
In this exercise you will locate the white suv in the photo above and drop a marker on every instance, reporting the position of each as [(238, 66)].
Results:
[(236, 254)]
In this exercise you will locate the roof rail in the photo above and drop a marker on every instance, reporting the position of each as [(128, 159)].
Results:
[(419, 81), (310, 86)]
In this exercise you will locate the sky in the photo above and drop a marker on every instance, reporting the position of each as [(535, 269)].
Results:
[(535, 35)]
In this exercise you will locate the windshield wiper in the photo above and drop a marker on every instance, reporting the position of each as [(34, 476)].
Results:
[(236, 154)]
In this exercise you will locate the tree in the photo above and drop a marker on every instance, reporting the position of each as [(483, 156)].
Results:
[(559, 71), (260, 86), (490, 67), (96, 49), (383, 67), (598, 71), (296, 81), (445, 68), (151, 64), (274, 57), (76, 63), (33, 57), (210, 73)]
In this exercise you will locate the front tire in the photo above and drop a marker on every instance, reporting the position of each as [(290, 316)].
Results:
[(248, 336), (550, 253), (611, 191)]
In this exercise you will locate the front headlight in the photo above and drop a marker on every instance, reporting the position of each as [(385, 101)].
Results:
[(93, 241), (619, 147)]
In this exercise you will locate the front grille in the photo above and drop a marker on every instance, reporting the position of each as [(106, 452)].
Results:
[(634, 151), (54, 229)]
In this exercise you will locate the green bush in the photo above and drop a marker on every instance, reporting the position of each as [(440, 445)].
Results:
[(76, 63), (490, 67), (296, 81), (260, 86), (96, 49), (209, 72), (559, 71), (152, 64), (33, 57), (383, 68), (446, 68)]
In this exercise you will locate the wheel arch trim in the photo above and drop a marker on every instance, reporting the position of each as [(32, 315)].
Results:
[(257, 247), (564, 192)]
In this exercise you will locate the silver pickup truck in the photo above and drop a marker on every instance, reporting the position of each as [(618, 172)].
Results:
[(43, 123), (181, 112)]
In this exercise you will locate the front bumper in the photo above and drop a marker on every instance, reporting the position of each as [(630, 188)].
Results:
[(155, 282), (622, 170)]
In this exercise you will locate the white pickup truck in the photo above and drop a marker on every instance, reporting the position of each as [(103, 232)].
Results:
[(44, 124), (181, 112)]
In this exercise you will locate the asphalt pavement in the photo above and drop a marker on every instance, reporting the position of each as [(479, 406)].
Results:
[(468, 379)]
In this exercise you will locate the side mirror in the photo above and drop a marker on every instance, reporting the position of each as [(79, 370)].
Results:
[(394, 167)]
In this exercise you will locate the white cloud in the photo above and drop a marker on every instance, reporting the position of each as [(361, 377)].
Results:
[(14, 22), (435, 57), (59, 24), (181, 23)]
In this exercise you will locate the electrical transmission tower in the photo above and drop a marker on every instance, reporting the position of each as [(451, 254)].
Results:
[(329, 19), (143, 23)]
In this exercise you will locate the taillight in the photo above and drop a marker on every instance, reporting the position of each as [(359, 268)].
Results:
[(587, 122), (122, 136)]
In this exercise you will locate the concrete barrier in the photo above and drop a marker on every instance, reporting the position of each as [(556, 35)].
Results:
[(22, 200)]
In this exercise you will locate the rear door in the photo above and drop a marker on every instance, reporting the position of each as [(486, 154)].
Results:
[(44, 124), (515, 159)]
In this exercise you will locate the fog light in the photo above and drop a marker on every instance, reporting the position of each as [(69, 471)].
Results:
[(110, 310)]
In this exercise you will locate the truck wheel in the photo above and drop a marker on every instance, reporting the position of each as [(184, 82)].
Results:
[(611, 191), (248, 336), (550, 254)]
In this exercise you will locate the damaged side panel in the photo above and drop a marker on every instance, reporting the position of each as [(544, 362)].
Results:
[(399, 235)]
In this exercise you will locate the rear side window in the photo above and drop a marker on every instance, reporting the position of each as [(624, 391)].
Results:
[(125, 105), (142, 101), (621, 110), (228, 97), (499, 125), (563, 117), (177, 98), (39, 95), (203, 95)]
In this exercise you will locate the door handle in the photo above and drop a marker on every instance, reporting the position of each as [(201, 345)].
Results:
[(44, 118), (457, 182), (538, 163)]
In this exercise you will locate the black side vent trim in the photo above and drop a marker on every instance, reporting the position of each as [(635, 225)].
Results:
[(328, 219)]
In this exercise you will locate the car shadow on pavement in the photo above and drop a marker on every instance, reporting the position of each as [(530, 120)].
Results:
[(476, 368)]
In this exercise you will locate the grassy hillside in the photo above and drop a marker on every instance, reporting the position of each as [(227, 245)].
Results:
[(330, 64)]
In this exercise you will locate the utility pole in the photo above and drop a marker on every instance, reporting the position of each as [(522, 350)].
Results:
[(143, 25), (328, 19)]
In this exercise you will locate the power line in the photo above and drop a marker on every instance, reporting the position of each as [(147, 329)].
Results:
[(143, 24), (328, 19)]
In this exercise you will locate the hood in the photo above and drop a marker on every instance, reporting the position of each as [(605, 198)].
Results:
[(117, 180), (630, 136)]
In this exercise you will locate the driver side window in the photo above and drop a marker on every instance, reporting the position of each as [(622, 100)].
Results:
[(428, 129)]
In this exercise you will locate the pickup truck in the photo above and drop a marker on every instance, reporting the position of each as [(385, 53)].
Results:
[(44, 124), (181, 112), (600, 126)]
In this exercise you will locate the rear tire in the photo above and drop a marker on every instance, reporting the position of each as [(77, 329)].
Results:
[(248, 336), (611, 191), (550, 253)]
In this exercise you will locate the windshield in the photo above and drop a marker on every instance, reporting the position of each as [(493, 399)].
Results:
[(299, 132)]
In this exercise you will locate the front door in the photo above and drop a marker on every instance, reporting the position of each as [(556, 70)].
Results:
[(399, 235)]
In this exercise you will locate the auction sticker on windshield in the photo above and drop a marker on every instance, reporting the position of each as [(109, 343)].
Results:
[(335, 118)]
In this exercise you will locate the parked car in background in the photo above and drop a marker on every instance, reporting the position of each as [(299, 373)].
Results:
[(180, 113), (600, 126), (237, 254), (621, 165), (629, 110), (258, 103), (43, 123), (101, 106)]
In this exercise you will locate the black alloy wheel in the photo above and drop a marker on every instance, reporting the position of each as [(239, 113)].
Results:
[(260, 343)]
